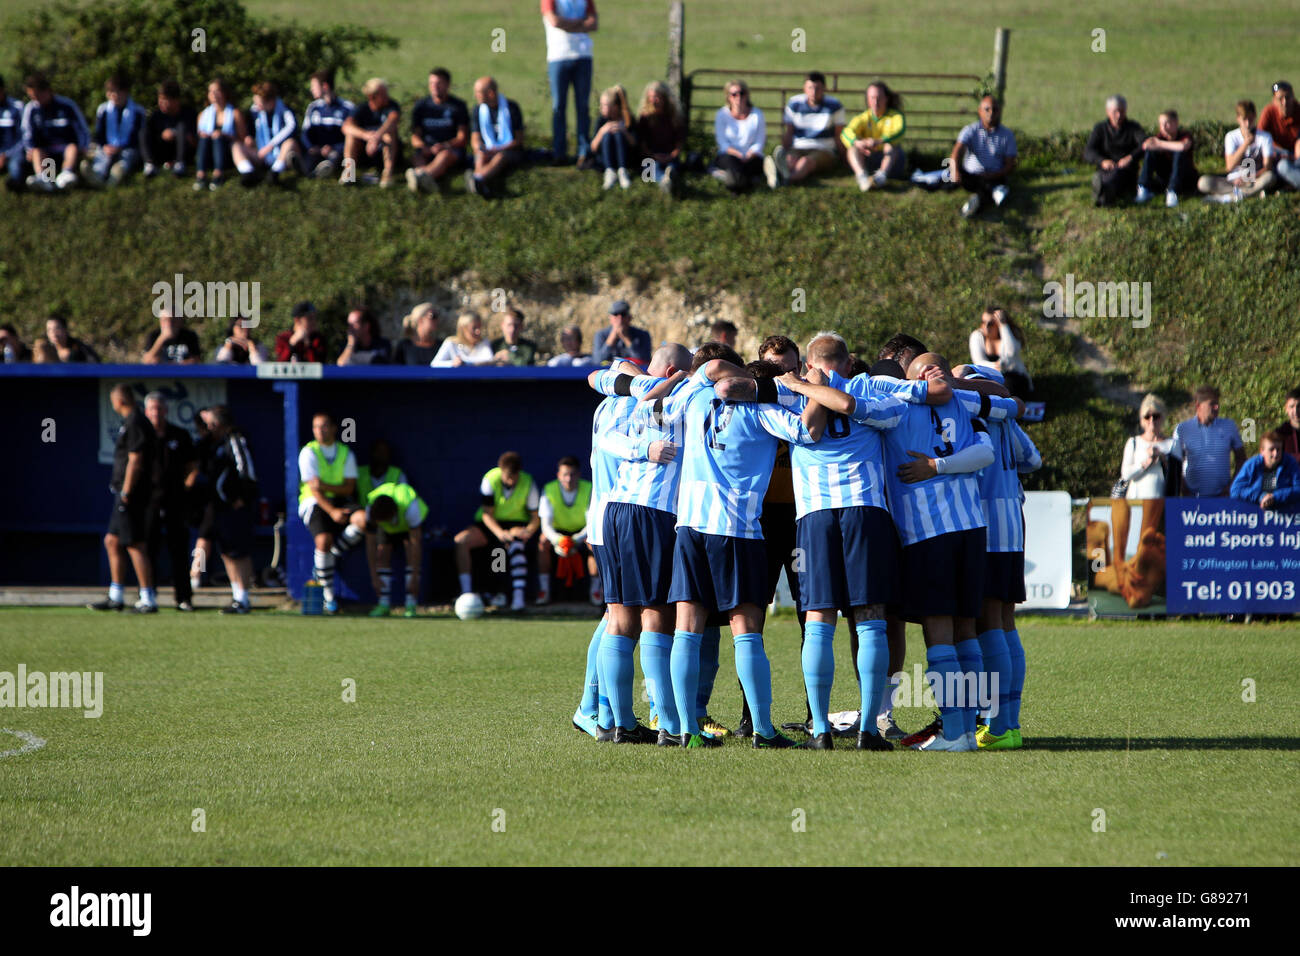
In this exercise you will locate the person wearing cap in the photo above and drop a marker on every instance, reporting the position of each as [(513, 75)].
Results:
[(621, 339), (422, 325), (1281, 120), (302, 343)]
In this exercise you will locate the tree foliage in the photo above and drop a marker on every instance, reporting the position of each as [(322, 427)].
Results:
[(79, 46)]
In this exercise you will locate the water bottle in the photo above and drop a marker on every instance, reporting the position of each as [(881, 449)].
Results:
[(313, 598), (10, 355)]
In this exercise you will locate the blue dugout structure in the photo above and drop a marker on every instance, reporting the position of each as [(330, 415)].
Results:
[(446, 427)]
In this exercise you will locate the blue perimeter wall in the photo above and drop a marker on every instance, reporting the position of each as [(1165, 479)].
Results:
[(447, 427)]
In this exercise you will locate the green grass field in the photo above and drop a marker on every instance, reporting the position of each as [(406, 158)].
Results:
[(456, 725)]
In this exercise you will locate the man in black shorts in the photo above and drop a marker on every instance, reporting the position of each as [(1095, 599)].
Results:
[(371, 132), (175, 472), (439, 135), (228, 522), (129, 521), (327, 472)]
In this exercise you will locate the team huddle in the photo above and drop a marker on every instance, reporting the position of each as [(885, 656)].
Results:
[(889, 495)]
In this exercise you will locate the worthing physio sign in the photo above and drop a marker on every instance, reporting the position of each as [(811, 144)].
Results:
[(1230, 557)]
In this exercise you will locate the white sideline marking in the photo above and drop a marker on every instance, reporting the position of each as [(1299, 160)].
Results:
[(30, 742)]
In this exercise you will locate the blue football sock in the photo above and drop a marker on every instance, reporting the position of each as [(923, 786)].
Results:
[(941, 671), (819, 670), (708, 669), (1017, 653), (872, 663), (756, 678), (997, 661), (591, 690), (686, 669), (620, 675), (971, 662), (656, 650)]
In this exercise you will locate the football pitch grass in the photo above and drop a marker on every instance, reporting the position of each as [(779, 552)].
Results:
[(458, 750)]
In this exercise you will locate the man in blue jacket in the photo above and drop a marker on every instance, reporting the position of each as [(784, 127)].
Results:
[(116, 140), (1271, 479), (53, 129)]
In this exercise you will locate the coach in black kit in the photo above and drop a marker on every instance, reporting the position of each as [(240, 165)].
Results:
[(175, 469), (130, 521)]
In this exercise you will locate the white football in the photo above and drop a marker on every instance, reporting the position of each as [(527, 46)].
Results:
[(469, 606)]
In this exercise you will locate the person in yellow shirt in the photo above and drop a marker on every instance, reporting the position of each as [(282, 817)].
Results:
[(873, 140)]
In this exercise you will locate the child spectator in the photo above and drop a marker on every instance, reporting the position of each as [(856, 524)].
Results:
[(221, 129), (12, 346), (614, 139), (170, 134), (119, 125), (466, 347), (323, 139), (1249, 158), (740, 131), (1271, 479), (661, 134), (1167, 162), (511, 348), (271, 146)]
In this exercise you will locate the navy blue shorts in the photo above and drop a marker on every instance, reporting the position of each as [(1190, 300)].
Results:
[(943, 576), (720, 572), (849, 557), (638, 554), (1004, 576), (598, 551)]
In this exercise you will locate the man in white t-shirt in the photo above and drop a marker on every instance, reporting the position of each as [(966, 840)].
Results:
[(1249, 157), (327, 475), (569, 24)]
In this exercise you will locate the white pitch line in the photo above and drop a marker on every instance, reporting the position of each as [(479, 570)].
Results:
[(30, 742)]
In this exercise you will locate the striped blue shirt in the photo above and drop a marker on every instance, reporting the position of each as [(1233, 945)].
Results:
[(1207, 455), (944, 503), (728, 458), (54, 126), (814, 126), (654, 484), (846, 468), (610, 417)]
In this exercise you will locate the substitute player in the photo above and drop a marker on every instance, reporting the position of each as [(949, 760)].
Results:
[(327, 471), (393, 515), (719, 560), (508, 514), (563, 511)]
